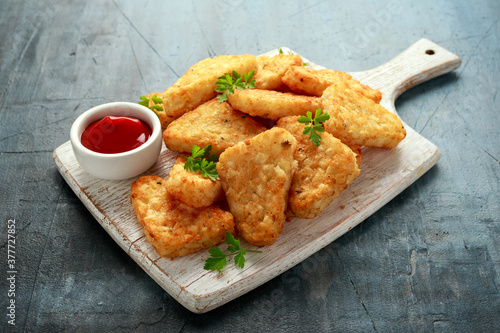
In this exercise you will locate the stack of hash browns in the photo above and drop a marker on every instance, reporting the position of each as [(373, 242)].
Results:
[(269, 171)]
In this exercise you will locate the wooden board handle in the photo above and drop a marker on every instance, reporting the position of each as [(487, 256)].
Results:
[(422, 61)]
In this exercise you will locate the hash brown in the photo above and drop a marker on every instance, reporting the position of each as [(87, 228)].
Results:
[(322, 173), (173, 228), (358, 120), (313, 82), (272, 69), (272, 104), (191, 187), (256, 176), (198, 84), (212, 123)]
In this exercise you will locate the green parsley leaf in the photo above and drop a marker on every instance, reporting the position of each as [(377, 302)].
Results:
[(307, 130), (239, 260), (234, 243), (201, 152), (217, 259), (212, 264), (305, 119), (201, 161), (315, 138), (317, 125), (216, 252), (226, 84), (156, 106), (321, 117), (156, 99), (280, 50)]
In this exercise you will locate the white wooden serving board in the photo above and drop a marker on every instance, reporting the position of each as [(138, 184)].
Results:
[(384, 174)]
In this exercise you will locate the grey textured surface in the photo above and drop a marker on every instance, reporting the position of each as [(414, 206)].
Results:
[(427, 261)]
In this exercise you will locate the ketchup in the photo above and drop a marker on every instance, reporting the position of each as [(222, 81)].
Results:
[(112, 134)]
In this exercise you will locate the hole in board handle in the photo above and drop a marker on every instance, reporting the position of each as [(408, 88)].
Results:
[(430, 52)]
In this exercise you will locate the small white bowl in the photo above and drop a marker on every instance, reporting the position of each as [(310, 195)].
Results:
[(120, 165)]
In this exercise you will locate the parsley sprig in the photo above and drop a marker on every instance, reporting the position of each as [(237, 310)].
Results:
[(157, 103), (201, 161), (218, 259), (317, 126), (280, 50), (226, 84)]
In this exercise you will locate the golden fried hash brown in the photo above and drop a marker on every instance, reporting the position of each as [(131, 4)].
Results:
[(272, 69), (357, 120), (173, 228), (322, 173), (198, 84), (191, 187), (314, 82), (364, 90), (212, 123), (310, 81), (256, 176), (272, 104)]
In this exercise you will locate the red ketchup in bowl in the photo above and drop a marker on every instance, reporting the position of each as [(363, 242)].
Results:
[(115, 134)]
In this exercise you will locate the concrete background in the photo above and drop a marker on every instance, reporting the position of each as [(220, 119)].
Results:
[(427, 261)]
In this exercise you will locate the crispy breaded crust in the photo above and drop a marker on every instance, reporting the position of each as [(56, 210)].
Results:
[(357, 120), (256, 176), (198, 84), (323, 172), (191, 187), (314, 82), (272, 69), (212, 123), (364, 90), (172, 228), (272, 104)]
